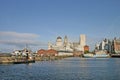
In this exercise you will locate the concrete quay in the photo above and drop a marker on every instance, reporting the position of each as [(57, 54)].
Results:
[(13, 60), (20, 60)]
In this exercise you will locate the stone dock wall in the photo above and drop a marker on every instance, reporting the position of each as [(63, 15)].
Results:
[(9, 60)]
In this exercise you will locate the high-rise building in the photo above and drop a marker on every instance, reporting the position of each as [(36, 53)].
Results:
[(82, 40), (110, 46), (116, 45)]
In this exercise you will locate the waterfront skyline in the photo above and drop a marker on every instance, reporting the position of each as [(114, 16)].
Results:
[(38, 22)]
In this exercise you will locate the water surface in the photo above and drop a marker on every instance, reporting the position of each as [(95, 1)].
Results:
[(66, 69)]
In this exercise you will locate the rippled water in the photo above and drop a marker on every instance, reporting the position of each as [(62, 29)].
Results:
[(66, 69)]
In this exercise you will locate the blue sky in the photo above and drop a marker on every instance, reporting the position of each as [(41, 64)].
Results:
[(41, 21)]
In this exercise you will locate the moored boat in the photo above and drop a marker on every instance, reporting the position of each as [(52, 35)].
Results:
[(88, 55), (27, 61), (115, 55), (98, 54), (101, 54)]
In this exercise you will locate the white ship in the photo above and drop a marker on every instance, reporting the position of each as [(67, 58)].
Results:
[(98, 54)]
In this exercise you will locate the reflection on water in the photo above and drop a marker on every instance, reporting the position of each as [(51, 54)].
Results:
[(66, 69)]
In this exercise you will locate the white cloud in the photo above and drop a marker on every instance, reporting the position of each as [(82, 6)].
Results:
[(18, 35), (15, 39)]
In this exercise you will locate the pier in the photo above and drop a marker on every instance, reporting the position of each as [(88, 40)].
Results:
[(14, 60)]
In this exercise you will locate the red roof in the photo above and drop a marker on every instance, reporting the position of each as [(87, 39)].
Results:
[(47, 52), (51, 51), (41, 51)]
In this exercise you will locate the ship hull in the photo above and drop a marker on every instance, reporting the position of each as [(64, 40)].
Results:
[(96, 56)]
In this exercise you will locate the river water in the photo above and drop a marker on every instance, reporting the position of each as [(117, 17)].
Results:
[(65, 69)]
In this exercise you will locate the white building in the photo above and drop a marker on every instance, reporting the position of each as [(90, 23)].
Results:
[(82, 40), (65, 45), (105, 44), (23, 52)]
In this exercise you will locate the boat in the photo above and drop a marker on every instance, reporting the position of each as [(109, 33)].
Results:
[(21, 62), (23, 56), (88, 55), (98, 54), (101, 55), (117, 55)]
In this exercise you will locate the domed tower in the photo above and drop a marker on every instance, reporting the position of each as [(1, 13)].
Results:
[(59, 41)]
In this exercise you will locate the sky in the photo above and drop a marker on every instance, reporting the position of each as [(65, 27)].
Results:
[(37, 22)]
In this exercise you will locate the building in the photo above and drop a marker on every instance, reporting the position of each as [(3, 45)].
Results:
[(41, 52), (86, 48), (50, 52), (112, 46), (59, 41), (105, 45), (82, 40), (23, 53), (97, 47), (66, 46), (116, 45)]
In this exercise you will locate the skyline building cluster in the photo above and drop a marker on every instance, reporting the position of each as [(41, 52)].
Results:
[(65, 45), (111, 46)]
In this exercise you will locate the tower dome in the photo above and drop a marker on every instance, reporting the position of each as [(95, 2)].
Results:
[(59, 41), (59, 37)]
